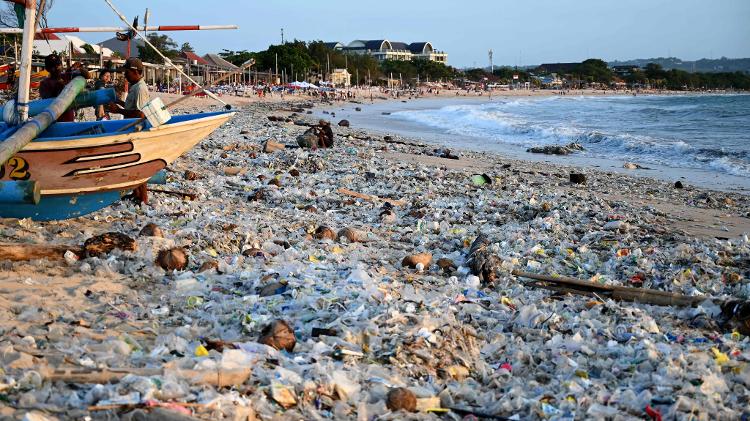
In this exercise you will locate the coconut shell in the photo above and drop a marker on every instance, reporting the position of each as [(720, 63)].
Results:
[(401, 399), (278, 334), (324, 233), (412, 261), (151, 230), (446, 265), (209, 265), (191, 175), (172, 259), (353, 235)]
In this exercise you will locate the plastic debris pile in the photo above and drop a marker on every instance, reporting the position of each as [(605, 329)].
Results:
[(301, 301)]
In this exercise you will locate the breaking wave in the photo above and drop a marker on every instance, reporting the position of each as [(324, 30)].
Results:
[(703, 132)]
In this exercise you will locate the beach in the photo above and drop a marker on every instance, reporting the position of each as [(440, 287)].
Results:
[(258, 251)]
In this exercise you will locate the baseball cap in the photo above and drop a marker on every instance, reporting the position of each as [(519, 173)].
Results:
[(132, 63)]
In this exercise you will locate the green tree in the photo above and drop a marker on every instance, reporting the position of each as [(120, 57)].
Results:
[(88, 48), (594, 70), (236, 57), (505, 74), (163, 43), (291, 55), (186, 47)]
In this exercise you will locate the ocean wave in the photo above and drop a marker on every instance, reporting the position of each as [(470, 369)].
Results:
[(527, 123)]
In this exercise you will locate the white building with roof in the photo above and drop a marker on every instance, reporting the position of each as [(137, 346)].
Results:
[(383, 49)]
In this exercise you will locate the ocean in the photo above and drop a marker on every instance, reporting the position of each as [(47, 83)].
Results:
[(702, 138)]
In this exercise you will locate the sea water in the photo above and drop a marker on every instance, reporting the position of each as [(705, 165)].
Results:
[(708, 132), (701, 139)]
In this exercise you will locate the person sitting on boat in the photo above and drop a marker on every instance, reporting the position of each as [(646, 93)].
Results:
[(53, 84), (137, 93), (105, 77)]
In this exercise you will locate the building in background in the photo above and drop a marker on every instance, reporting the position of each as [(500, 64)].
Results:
[(341, 78), (382, 49)]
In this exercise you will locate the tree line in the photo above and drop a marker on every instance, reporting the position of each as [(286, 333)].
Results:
[(598, 71), (299, 60), (305, 60)]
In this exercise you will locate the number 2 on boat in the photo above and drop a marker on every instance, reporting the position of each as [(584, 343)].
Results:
[(19, 171)]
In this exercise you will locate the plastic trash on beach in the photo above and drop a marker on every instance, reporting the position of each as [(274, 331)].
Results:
[(363, 320)]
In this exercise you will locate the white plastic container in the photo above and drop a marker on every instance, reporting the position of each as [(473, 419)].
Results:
[(156, 112)]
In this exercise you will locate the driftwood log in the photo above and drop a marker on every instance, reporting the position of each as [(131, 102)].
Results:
[(94, 246), (217, 378), (25, 252), (735, 314)]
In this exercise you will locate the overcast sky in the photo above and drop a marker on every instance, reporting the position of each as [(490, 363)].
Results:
[(519, 32)]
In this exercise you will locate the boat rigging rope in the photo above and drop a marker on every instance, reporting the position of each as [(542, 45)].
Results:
[(166, 60)]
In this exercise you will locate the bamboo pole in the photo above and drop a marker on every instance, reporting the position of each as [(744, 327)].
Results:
[(161, 28), (172, 104), (38, 124), (24, 79)]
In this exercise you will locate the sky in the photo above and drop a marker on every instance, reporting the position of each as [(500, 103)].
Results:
[(519, 33)]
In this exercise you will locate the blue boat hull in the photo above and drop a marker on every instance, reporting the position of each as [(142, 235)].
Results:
[(84, 167), (60, 207)]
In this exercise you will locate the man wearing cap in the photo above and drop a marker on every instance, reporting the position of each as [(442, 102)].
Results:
[(53, 84), (137, 93), (131, 108)]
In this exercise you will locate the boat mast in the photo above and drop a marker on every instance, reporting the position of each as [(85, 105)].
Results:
[(27, 49)]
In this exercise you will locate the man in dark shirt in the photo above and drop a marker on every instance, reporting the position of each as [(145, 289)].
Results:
[(53, 84)]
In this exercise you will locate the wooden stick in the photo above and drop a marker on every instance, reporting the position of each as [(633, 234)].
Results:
[(218, 378), (192, 196), (127, 405), (638, 295), (370, 198), (172, 104), (24, 252)]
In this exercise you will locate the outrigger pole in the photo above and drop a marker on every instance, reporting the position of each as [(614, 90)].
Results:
[(27, 50), (143, 28), (167, 61)]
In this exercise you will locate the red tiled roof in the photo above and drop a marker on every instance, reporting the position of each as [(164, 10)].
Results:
[(49, 37), (194, 57)]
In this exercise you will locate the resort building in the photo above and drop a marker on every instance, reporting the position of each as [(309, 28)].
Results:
[(384, 49), (341, 78)]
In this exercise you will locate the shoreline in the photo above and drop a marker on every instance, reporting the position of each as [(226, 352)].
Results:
[(376, 117), (254, 257)]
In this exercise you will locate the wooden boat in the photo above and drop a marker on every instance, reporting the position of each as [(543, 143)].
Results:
[(64, 170), (81, 173)]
